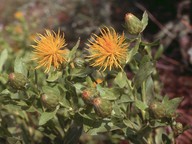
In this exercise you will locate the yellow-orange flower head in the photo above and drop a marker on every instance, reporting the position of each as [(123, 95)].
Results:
[(108, 50), (49, 50)]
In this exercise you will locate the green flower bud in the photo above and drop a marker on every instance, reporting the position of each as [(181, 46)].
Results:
[(79, 62), (133, 24), (162, 110), (157, 110), (18, 81), (50, 101), (177, 128), (102, 107), (87, 96)]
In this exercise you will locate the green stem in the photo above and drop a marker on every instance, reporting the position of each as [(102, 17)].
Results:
[(143, 98), (144, 92), (92, 78)]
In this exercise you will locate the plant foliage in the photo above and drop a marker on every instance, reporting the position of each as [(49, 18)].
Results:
[(58, 107)]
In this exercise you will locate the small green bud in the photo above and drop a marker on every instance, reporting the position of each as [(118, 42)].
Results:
[(102, 107), (157, 110), (162, 110), (18, 81), (50, 101), (133, 24), (87, 96), (79, 62), (177, 128)]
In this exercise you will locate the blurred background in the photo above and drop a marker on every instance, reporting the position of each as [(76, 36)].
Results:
[(170, 21)]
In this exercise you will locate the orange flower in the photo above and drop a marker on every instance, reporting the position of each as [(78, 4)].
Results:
[(98, 81), (49, 50), (108, 50), (18, 29), (19, 15)]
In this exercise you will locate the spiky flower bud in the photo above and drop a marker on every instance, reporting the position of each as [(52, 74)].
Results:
[(86, 96), (157, 110), (133, 24), (18, 81), (50, 101), (79, 62), (166, 109), (177, 128), (102, 107)]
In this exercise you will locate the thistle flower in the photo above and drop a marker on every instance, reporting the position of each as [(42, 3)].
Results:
[(108, 50), (102, 107), (18, 81), (133, 24), (19, 15), (49, 50)]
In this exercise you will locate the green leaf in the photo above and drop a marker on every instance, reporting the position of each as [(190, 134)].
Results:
[(19, 66), (13, 140), (90, 117), (166, 139), (3, 78), (159, 52), (50, 90), (140, 105), (155, 43), (130, 124), (144, 20), (71, 92), (125, 98), (3, 58), (73, 134), (148, 50), (65, 103), (4, 132), (46, 116), (165, 99), (102, 128), (156, 124), (176, 101), (108, 93), (80, 72), (79, 87), (134, 50), (89, 81), (121, 79), (53, 76), (5, 92), (149, 90), (171, 105), (144, 71), (73, 51), (144, 60), (117, 111), (63, 98)]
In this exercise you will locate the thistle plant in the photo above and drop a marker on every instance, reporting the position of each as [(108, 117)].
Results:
[(109, 50), (49, 50), (59, 93)]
